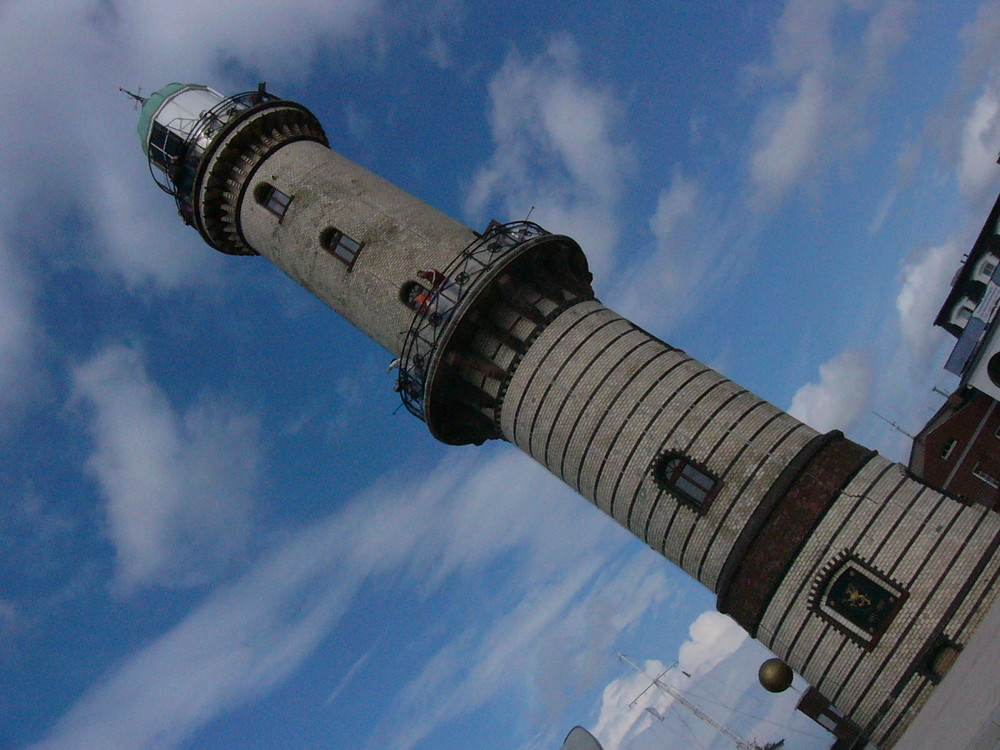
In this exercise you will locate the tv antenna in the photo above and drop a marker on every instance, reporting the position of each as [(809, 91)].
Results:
[(139, 98)]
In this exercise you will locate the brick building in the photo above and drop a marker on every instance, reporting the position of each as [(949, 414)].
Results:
[(958, 450)]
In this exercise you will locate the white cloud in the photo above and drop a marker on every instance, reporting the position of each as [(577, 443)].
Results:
[(624, 721), (790, 139), (658, 289), (19, 331), (556, 149), (839, 397), (63, 62), (980, 142), (925, 284), (177, 487), (618, 719), (727, 692), (675, 205), (712, 637), (817, 89), (652, 290), (564, 581)]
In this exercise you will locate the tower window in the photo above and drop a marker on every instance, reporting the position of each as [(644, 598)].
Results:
[(415, 296), (164, 145), (689, 483), (272, 199), (340, 246)]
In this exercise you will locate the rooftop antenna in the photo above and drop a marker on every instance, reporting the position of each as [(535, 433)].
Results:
[(529, 213), (894, 425), (938, 390), (677, 694), (139, 98)]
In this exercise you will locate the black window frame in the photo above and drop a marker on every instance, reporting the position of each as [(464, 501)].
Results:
[(341, 246), (948, 447), (274, 200), (165, 146), (688, 481), (409, 292)]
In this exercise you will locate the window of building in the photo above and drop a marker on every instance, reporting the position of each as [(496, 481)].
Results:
[(985, 268), (164, 146), (688, 482), (963, 312), (415, 296), (980, 472), (272, 199), (340, 246), (948, 447)]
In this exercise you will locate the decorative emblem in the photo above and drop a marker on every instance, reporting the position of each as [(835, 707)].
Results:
[(856, 598)]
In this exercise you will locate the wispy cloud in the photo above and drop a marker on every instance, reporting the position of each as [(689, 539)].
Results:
[(20, 332), (250, 635), (177, 485), (557, 148), (532, 647), (244, 639), (818, 90), (980, 143), (840, 396)]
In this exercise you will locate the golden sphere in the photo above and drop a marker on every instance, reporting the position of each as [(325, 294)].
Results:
[(775, 675)]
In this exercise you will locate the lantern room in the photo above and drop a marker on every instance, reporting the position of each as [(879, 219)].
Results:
[(177, 124)]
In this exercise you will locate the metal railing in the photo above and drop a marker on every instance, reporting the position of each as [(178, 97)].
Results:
[(178, 179), (433, 315)]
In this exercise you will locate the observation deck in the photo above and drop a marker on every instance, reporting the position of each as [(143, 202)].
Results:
[(476, 320)]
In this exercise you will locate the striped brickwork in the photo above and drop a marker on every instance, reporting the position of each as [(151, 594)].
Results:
[(600, 403), (596, 399), (938, 551)]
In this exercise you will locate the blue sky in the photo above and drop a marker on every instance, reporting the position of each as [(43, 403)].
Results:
[(217, 528)]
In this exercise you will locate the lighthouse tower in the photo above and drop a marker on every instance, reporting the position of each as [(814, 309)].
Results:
[(864, 580)]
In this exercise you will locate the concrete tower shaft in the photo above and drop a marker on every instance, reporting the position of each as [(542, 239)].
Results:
[(865, 580)]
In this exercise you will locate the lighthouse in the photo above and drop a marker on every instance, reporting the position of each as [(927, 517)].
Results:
[(863, 579)]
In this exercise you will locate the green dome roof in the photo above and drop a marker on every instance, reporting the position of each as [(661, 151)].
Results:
[(149, 110)]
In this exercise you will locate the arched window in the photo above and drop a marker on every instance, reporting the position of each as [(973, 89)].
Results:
[(272, 199), (340, 246), (690, 483), (415, 296)]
